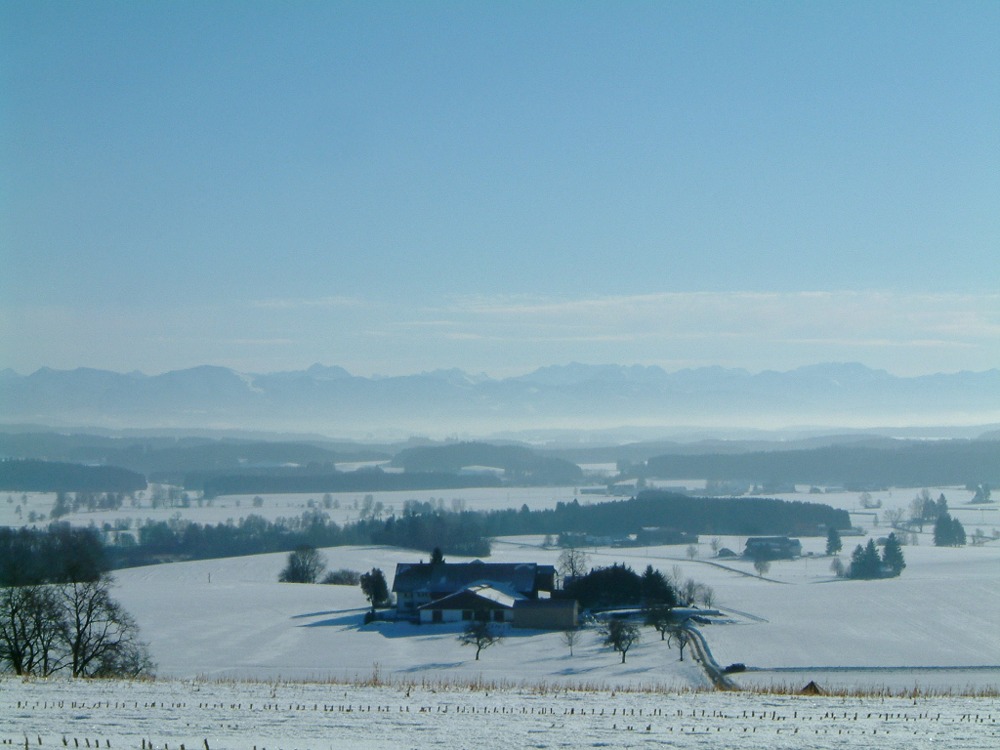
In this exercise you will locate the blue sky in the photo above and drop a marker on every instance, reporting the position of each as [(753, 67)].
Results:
[(496, 186)]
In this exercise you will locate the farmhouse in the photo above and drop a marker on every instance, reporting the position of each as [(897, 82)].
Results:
[(480, 601), (418, 584), (772, 548), (483, 601)]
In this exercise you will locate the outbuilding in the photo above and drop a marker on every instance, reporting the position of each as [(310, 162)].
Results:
[(481, 601)]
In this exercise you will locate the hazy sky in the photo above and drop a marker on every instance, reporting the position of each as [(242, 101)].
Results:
[(402, 186)]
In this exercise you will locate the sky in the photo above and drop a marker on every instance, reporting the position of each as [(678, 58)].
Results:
[(496, 186)]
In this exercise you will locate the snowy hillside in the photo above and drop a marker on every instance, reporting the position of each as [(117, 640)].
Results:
[(934, 626), (232, 646)]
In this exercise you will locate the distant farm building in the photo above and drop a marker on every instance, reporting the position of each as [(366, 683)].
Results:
[(656, 535), (772, 548)]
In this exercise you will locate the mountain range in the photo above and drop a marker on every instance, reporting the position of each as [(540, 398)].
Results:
[(332, 401)]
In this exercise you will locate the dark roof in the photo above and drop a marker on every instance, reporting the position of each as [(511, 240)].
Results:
[(770, 540), (448, 577)]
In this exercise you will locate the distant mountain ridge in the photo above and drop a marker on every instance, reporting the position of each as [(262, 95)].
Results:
[(331, 401)]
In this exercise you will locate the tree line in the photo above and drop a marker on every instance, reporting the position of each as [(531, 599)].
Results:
[(425, 525), (866, 563), (460, 533), (52, 476), (56, 609), (697, 515), (58, 554), (297, 479), (908, 464), (520, 464)]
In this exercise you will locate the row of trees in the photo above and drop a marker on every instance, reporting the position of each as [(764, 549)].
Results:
[(948, 531), (900, 464), (618, 633), (56, 609), (866, 562), (419, 527), (52, 476), (71, 627), (58, 554), (424, 525), (694, 515)]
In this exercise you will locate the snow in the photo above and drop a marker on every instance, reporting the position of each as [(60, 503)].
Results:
[(226, 635), (237, 715), (230, 618), (226, 508)]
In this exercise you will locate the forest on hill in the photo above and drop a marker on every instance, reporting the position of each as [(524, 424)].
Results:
[(49, 476), (902, 464), (235, 466)]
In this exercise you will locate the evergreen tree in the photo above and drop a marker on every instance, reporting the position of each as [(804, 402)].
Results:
[(375, 588), (865, 562), (656, 590), (944, 531), (958, 538), (892, 555), (833, 542), (982, 494), (857, 562)]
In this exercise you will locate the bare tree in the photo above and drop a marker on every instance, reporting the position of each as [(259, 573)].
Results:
[(762, 566), (706, 594), (101, 637), (661, 618), (679, 636), (480, 633), (620, 635), (30, 628), (572, 563), (893, 516), (688, 591), (75, 626), (571, 636)]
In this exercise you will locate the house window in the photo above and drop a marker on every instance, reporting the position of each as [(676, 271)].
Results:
[(466, 614), (438, 616), (498, 615)]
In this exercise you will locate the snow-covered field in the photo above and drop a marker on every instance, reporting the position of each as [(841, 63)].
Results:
[(344, 507), (282, 715), (934, 627), (227, 636)]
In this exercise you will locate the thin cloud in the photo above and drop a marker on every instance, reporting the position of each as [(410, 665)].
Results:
[(299, 303), (261, 342), (880, 343)]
